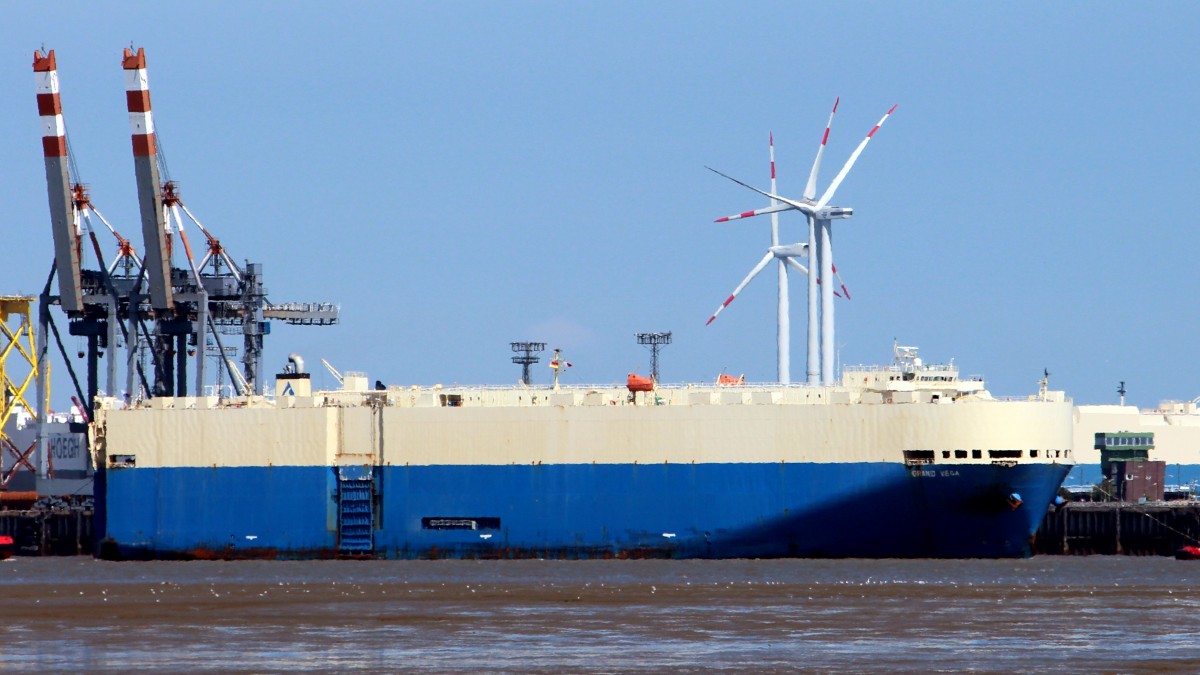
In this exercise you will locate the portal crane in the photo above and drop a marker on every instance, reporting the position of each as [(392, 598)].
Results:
[(173, 311), (217, 292), (191, 304)]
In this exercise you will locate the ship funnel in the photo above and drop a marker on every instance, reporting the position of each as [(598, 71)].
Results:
[(293, 381)]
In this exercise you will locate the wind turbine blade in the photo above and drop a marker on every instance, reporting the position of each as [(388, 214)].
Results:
[(850, 162), (771, 141), (762, 264), (758, 212), (774, 215), (797, 266), (810, 189), (840, 282), (796, 205), (835, 292)]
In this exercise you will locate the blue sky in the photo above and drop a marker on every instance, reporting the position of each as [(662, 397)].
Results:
[(461, 175)]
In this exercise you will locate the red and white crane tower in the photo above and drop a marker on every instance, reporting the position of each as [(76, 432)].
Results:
[(155, 234), (67, 253), (171, 310)]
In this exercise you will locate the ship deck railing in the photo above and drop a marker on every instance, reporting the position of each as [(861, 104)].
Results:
[(926, 368), (582, 388), (612, 393)]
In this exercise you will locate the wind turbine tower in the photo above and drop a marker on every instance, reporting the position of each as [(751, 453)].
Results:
[(820, 217), (786, 255)]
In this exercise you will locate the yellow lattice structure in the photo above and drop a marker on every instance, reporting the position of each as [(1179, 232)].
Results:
[(16, 348)]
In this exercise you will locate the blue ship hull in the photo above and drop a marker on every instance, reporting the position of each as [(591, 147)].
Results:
[(872, 510)]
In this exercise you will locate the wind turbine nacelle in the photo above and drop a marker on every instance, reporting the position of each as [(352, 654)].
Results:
[(790, 251), (834, 212)]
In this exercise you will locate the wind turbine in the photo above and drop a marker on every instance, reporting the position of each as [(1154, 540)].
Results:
[(820, 219), (786, 255)]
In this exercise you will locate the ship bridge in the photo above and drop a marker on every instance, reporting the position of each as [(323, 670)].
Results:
[(909, 380)]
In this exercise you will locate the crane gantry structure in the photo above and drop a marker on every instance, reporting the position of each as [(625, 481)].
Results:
[(171, 311)]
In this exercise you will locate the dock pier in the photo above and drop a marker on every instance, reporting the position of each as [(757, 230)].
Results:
[(1119, 528), (49, 531), (1074, 528)]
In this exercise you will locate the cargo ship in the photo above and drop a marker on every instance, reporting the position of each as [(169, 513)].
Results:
[(903, 460)]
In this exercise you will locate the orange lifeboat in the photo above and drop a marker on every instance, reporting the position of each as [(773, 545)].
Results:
[(639, 383), (729, 380)]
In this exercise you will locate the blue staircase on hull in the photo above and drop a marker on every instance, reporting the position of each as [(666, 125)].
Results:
[(356, 512)]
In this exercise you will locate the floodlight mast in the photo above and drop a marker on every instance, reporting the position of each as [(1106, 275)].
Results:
[(655, 341), (526, 358)]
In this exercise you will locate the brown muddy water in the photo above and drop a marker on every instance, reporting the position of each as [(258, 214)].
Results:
[(1048, 614)]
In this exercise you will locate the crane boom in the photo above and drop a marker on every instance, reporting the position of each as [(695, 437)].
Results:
[(157, 243), (67, 253)]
